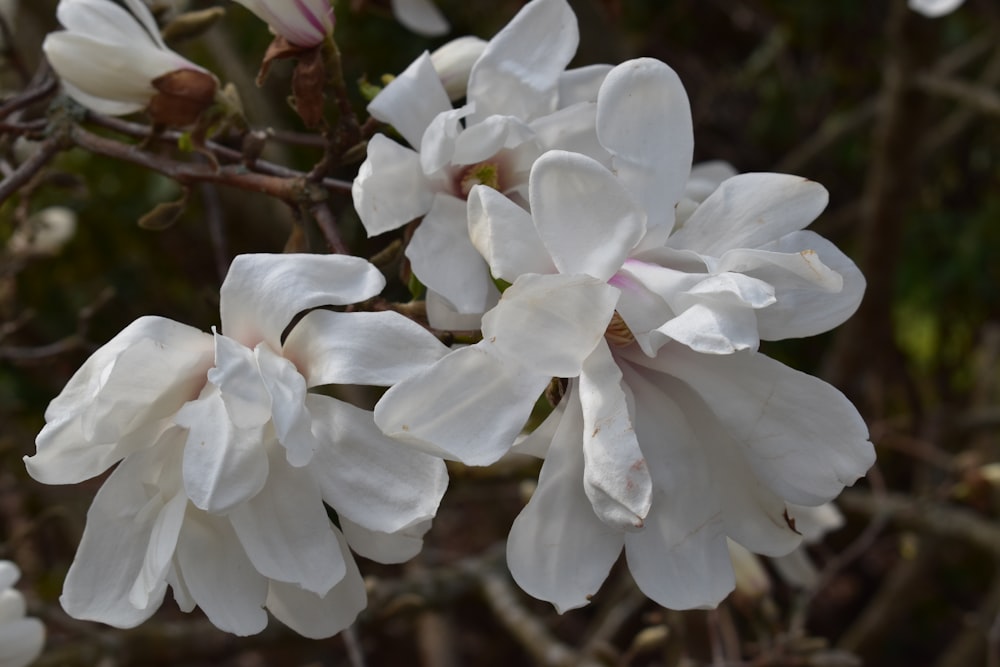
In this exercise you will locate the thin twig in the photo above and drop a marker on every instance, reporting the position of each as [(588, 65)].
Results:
[(26, 170), (326, 223)]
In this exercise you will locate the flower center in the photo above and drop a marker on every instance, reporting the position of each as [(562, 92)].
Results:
[(618, 333), (484, 173)]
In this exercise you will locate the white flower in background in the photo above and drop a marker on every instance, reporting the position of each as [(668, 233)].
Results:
[(453, 63), (514, 88), (21, 639), (226, 460), (115, 62), (44, 233), (681, 432), (303, 23), (420, 16), (935, 8)]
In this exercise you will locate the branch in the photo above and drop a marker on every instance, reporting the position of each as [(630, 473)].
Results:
[(979, 98), (27, 169)]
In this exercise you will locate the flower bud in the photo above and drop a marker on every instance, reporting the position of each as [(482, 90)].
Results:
[(304, 23), (182, 96)]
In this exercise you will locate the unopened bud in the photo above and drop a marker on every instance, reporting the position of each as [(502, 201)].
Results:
[(182, 96)]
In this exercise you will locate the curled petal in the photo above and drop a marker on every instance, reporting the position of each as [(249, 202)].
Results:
[(286, 389), (360, 348), (558, 550), (262, 293), (505, 235), (412, 100)]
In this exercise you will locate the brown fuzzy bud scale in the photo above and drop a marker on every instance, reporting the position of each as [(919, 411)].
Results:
[(182, 96)]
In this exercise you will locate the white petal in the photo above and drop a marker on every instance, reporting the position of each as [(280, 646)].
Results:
[(286, 532), (150, 584), (9, 574), (304, 23), (224, 465), (616, 478), (706, 177), (21, 642), (797, 569), (585, 218), (443, 258), (443, 317), (644, 121), (550, 324), (488, 137), (387, 548), (935, 8), (241, 387), (518, 73), (360, 348), (262, 293), (453, 62), (420, 16), (390, 189), (749, 210), (367, 478), (219, 575), (801, 436), (437, 147), (581, 84), (558, 550), (505, 235), (680, 558), (469, 406), (571, 129), (113, 549), (139, 377), (815, 522), (101, 105), (289, 415), (412, 100), (318, 617), (817, 286), (538, 441)]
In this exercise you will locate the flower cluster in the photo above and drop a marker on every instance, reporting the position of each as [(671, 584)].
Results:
[(559, 214)]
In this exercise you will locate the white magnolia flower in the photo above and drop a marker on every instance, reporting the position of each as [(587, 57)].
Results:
[(520, 101), (420, 16), (226, 460), (303, 23), (115, 62), (680, 431), (453, 63), (21, 639), (935, 8)]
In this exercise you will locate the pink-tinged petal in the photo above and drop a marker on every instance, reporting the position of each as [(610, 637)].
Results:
[(304, 23), (470, 406), (551, 323), (518, 73), (150, 584), (286, 533), (241, 387), (286, 389), (558, 550), (360, 348), (388, 548), (680, 558), (616, 478), (817, 286), (581, 84), (753, 515), (801, 436), (411, 101), (644, 121), (318, 617), (586, 219), (224, 465), (420, 16), (390, 189), (505, 235), (376, 482), (113, 549), (219, 575), (488, 137), (749, 210), (262, 293), (113, 403), (443, 258)]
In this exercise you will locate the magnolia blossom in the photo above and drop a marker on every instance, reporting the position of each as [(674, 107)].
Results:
[(674, 432), (453, 63), (225, 460), (115, 62), (420, 16), (935, 8), (21, 639), (303, 23), (520, 101)]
